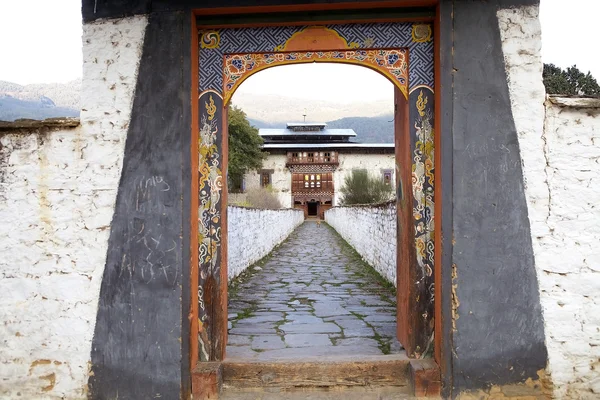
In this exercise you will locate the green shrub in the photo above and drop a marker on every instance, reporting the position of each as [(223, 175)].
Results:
[(360, 188)]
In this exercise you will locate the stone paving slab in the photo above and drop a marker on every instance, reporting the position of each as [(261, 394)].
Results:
[(313, 297)]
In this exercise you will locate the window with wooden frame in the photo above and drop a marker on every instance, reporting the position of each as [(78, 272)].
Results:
[(311, 157), (297, 182), (265, 178), (327, 181), (327, 157), (387, 176)]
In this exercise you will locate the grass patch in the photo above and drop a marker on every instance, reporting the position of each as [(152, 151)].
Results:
[(359, 316)]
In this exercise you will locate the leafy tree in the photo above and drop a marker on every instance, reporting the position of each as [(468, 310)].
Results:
[(569, 82), (360, 188), (245, 152)]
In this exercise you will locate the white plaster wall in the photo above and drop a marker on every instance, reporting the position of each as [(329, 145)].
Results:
[(281, 180), (253, 233), (282, 177), (373, 163), (560, 152), (372, 231), (58, 190)]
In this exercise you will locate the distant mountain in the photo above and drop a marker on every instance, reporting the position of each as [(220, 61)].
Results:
[(11, 109), (257, 123), (368, 129), (281, 109), (39, 101)]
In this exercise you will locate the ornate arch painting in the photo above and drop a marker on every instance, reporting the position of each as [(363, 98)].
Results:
[(403, 52)]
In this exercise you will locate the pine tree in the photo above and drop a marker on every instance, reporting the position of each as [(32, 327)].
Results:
[(571, 81)]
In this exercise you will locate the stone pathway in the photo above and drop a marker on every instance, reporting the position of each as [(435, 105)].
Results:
[(313, 297)]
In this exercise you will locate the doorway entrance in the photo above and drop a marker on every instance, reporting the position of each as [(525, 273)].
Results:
[(313, 208), (225, 62)]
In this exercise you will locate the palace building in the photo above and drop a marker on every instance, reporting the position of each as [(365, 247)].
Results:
[(307, 164)]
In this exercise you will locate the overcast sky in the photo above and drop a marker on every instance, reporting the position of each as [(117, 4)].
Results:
[(40, 42)]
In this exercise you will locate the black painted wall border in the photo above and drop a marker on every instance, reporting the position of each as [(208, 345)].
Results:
[(140, 347), (444, 171), (498, 336)]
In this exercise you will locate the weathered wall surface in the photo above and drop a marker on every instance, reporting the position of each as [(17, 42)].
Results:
[(559, 140), (373, 163), (371, 230), (139, 348), (566, 242), (281, 178), (253, 233), (58, 188), (497, 329)]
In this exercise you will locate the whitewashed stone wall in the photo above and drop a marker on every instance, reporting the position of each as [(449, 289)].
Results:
[(57, 194), (371, 230), (559, 139), (253, 233)]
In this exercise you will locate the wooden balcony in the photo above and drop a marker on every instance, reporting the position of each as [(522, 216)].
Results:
[(329, 158)]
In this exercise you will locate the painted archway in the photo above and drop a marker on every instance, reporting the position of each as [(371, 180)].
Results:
[(402, 52), (391, 63)]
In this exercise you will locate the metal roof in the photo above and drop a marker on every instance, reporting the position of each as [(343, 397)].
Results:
[(328, 145), (324, 132), (292, 124)]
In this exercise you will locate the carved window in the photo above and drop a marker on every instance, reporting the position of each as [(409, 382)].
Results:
[(311, 157), (327, 157), (295, 157)]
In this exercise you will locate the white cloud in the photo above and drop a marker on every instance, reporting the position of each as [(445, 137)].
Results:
[(40, 41), (340, 83), (569, 34)]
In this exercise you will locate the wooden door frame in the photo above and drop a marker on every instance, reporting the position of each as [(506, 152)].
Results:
[(442, 291)]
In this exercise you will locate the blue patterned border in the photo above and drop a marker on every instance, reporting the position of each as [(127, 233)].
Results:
[(268, 39)]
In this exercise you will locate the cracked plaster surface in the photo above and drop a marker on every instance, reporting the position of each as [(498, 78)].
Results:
[(561, 169), (58, 189)]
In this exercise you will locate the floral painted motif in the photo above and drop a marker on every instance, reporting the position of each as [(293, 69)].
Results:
[(229, 56), (210, 186), (422, 183), (392, 63)]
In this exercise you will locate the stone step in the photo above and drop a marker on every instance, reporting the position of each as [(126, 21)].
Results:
[(328, 393)]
